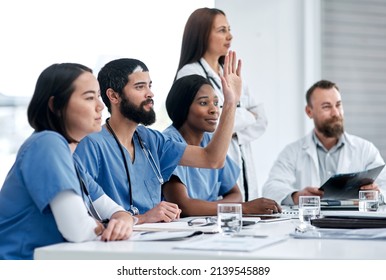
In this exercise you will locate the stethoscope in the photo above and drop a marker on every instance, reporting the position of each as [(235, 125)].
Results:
[(90, 206), (134, 210), (209, 78), (212, 80)]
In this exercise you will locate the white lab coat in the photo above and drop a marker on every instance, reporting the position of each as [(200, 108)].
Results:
[(250, 124), (297, 165)]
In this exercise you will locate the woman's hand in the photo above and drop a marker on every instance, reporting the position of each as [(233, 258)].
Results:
[(119, 227), (231, 79)]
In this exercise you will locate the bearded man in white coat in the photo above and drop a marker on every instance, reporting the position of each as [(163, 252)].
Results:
[(303, 166)]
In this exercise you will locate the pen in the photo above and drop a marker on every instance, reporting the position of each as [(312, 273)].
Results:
[(147, 232), (250, 235)]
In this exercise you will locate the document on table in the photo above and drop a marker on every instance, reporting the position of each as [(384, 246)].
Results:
[(177, 226), (163, 235), (219, 242), (355, 214), (203, 224), (363, 234)]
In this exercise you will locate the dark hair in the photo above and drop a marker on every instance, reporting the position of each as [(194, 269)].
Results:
[(323, 84), (181, 96), (195, 39), (115, 75), (55, 81)]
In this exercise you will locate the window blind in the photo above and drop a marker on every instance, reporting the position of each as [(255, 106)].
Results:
[(353, 55)]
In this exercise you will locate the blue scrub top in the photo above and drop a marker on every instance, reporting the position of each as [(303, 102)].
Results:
[(102, 158), (44, 167), (202, 183)]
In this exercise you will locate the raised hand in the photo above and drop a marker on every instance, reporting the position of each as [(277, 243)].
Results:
[(231, 79)]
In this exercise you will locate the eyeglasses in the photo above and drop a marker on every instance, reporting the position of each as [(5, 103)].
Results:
[(202, 221)]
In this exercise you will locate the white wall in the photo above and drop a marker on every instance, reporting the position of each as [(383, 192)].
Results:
[(275, 38), (35, 34), (278, 43)]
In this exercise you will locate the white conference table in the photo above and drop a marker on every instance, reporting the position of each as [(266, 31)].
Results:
[(289, 249)]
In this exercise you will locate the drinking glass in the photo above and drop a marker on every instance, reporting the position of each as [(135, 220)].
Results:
[(229, 218), (368, 200), (309, 208)]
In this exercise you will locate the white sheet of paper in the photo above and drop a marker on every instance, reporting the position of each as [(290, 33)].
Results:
[(339, 233), (224, 243), (163, 235), (175, 226)]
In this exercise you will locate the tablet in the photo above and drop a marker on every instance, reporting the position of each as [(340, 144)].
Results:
[(347, 185)]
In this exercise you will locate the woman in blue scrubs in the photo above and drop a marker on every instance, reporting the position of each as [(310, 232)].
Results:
[(192, 105), (47, 196)]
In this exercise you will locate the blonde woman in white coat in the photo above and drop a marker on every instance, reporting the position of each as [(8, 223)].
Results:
[(206, 41)]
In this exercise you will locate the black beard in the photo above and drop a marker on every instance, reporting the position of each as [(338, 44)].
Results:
[(137, 114), (331, 128)]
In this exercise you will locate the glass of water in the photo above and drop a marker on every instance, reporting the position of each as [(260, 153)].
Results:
[(229, 218), (309, 209), (368, 200)]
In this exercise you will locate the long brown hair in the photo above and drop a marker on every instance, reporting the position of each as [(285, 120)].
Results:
[(195, 39)]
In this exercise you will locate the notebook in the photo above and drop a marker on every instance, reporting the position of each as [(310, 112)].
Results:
[(345, 222), (356, 214), (351, 220), (335, 204), (347, 185)]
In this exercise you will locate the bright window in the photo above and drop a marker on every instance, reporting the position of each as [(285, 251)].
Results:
[(36, 34)]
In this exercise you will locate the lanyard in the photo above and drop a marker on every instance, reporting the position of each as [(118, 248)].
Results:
[(134, 210)]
